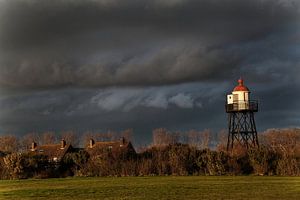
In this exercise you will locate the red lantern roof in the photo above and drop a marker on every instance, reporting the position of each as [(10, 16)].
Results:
[(241, 86)]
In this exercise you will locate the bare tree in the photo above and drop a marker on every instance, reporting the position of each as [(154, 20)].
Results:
[(159, 136), (48, 138), (86, 138), (26, 141), (70, 137), (162, 136), (282, 140), (205, 139), (8, 143), (199, 139), (127, 134), (222, 140), (106, 136), (193, 138)]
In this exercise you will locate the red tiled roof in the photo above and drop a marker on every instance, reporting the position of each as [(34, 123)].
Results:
[(241, 86)]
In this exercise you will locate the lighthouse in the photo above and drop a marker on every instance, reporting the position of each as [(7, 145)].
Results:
[(241, 123)]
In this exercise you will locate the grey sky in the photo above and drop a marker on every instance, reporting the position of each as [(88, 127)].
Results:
[(141, 64)]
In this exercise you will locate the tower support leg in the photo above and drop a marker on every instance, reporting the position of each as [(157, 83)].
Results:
[(241, 130)]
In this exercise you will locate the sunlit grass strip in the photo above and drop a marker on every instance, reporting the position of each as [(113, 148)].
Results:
[(170, 187)]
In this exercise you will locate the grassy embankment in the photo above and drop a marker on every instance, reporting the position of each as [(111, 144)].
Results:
[(193, 187)]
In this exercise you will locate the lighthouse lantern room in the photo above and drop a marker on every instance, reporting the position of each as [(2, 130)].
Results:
[(239, 99)]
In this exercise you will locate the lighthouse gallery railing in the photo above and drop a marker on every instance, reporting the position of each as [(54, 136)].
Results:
[(240, 106)]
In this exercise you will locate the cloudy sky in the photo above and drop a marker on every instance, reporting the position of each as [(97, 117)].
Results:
[(143, 64)]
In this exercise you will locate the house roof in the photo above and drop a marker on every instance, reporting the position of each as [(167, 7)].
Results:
[(52, 150), (112, 145)]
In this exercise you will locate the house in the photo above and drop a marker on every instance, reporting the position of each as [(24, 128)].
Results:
[(119, 147), (54, 152)]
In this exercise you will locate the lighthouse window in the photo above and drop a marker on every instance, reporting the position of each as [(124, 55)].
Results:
[(235, 97)]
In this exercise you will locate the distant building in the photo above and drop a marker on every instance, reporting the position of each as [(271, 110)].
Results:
[(121, 146), (54, 152)]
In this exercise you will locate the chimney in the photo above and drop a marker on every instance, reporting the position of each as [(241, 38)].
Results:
[(33, 146), (92, 142), (62, 144), (122, 140)]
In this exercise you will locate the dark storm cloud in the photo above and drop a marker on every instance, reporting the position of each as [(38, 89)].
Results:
[(177, 107), (78, 54), (47, 44)]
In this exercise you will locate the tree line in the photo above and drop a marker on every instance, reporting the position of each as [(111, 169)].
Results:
[(170, 153)]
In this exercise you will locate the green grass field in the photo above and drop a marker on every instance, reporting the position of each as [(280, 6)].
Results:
[(192, 187)]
